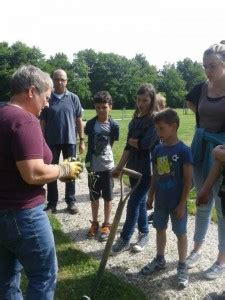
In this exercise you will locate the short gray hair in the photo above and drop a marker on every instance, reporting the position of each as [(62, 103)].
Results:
[(27, 76), (216, 49)]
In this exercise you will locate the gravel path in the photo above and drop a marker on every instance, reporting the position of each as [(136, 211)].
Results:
[(127, 265)]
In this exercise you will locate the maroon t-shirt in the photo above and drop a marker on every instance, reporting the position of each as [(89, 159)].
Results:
[(20, 139)]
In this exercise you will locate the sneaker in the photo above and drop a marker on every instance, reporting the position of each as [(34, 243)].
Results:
[(92, 232), (50, 208), (105, 231), (120, 246), (153, 266), (72, 208), (182, 276), (215, 271), (54, 210), (193, 259), (150, 218), (215, 296), (142, 241)]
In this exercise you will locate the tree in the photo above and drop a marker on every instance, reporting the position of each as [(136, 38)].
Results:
[(22, 54), (191, 72), (80, 80), (58, 61), (147, 72), (11, 58), (172, 84), (5, 72)]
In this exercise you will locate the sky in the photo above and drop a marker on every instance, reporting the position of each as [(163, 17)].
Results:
[(165, 31)]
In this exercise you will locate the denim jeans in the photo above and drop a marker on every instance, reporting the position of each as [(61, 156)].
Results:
[(203, 214), (26, 241), (52, 195), (136, 209)]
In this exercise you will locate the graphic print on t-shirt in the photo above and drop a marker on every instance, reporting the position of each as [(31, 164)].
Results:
[(166, 166), (102, 159), (101, 141)]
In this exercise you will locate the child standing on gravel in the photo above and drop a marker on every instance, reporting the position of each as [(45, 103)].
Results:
[(170, 184), (141, 140), (102, 131)]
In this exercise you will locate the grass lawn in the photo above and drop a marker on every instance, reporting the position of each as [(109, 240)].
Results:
[(77, 273)]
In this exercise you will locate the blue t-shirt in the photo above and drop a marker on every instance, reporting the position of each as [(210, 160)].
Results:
[(168, 164), (60, 118)]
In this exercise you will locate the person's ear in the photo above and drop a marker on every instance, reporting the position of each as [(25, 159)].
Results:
[(31, 90)]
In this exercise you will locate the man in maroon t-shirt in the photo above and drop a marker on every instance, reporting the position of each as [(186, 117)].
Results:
[(26, 239)]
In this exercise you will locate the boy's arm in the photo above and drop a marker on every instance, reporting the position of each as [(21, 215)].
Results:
[(151, 193), (80, 130), (187, 183)]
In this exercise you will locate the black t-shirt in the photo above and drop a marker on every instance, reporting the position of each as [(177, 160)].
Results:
[(193, 96)]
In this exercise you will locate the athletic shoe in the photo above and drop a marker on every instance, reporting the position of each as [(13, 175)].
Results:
[(105, 231), (193, 259), (92, 232), (142, 241), (50, 208), (182, 276), (72, 208), (215, 271), (150, 218), (153, 266), (120, 246), (215, 296)]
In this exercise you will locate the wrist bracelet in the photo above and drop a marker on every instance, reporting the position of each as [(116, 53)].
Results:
[(81, 139)]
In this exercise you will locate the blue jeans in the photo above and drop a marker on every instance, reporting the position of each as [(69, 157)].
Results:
[(52, 195), (136, 209), (203, 214), (26, 241)]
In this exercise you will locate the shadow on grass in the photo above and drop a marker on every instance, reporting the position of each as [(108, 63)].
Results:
[(110, 288)]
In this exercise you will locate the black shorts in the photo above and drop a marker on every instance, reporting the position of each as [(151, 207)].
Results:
[(101, 185)]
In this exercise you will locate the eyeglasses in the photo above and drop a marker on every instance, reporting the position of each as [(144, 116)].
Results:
[(59, 79)]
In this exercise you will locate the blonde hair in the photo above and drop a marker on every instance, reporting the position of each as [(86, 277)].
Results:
[(160, 101), (216, 49)]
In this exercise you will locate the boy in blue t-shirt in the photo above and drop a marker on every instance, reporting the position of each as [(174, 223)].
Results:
[(170, 185), (102, 131)]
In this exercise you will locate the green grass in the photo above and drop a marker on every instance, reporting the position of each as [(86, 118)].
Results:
[(77, 273)]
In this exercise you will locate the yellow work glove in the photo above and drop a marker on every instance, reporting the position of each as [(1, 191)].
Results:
[(70, 169)]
